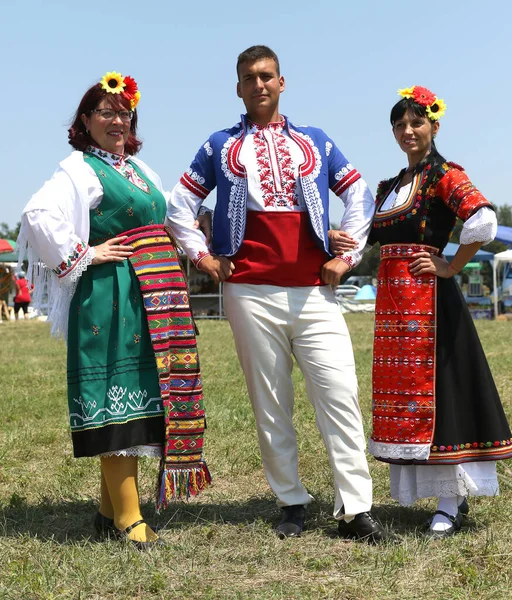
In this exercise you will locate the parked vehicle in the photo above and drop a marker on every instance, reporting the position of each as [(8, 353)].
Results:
[(359, 280)]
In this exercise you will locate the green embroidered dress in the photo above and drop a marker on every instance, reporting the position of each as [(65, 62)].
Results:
[(113, 389)]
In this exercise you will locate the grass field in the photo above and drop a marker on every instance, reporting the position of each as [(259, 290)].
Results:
[(221, 545)]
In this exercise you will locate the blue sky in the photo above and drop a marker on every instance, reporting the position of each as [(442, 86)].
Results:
[(342, 62)]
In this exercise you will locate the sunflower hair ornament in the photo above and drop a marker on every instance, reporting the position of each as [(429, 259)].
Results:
[(435, 106), (115, 83)]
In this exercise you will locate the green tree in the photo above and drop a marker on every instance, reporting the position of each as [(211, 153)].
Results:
[(504, 217), (504, 214), (7, 233)]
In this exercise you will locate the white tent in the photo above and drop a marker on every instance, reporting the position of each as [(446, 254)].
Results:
[(501, 257)]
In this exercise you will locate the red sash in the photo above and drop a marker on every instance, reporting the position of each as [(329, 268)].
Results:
[(278, 249)]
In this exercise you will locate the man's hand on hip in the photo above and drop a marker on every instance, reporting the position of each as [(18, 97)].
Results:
[(333, 271), (219, 268)]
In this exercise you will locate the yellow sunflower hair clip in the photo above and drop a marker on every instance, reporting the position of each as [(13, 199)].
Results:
[(434, 106), (115, 83)]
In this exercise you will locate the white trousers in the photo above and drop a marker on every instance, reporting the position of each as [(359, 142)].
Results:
[(270, 324)]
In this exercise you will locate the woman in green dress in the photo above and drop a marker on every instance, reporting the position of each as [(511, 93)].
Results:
[(98, 247)]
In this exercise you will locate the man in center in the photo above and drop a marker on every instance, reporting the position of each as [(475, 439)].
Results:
[(271, 248)]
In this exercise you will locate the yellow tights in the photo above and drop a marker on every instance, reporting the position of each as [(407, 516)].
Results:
[(120, 496)]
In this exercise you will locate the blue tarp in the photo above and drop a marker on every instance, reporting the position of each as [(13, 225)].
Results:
[(481, 255), (504, 235)]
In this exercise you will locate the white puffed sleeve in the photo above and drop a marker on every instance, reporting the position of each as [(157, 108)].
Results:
[(480, 227), (52, 224), (54, 236)]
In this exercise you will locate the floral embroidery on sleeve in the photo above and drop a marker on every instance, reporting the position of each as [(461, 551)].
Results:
[(199, 257), (68, 264), (346, 258)]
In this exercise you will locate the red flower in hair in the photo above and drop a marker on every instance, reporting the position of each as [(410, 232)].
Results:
[(423, 96), (130, 86)]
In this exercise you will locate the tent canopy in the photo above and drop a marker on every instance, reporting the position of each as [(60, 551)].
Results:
[(505, 256), (8, 257), (367, 292), (482, 255), (504, 235)]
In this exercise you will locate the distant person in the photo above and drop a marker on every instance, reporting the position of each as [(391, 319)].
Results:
[(115, 286), (271, 248), (23, 295), (437, 416), (6, 284)]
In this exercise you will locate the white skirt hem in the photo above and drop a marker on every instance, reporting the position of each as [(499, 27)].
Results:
[(412, 482)]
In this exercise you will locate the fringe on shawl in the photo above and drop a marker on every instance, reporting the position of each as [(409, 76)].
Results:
[(51, 295), (179, 483)]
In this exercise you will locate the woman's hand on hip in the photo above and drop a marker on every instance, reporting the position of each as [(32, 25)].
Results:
[(340, 242), (112, 251), (430, 263)]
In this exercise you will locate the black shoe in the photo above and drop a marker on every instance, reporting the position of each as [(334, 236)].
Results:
[(452, 530), (362, 527), (123, 534), (463, 510), (292, 521), (464, 507), (104, 526)]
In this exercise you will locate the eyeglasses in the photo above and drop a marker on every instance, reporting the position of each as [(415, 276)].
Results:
[(109, 114)]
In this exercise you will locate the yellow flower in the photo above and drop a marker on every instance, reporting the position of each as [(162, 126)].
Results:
[(436, 110), (135, 100), (406, 92), (112, 82)]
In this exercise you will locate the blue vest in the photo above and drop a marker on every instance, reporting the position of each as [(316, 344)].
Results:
[(217, 164)]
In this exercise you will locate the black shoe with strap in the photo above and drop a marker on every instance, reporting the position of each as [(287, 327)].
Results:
[(292, 521), (464, 507), (104, 526), (123, 534), (456, 524), (463, 510), (363, 527)]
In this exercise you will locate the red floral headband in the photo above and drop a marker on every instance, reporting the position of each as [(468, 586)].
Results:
[(435, 106), (115, 83)]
